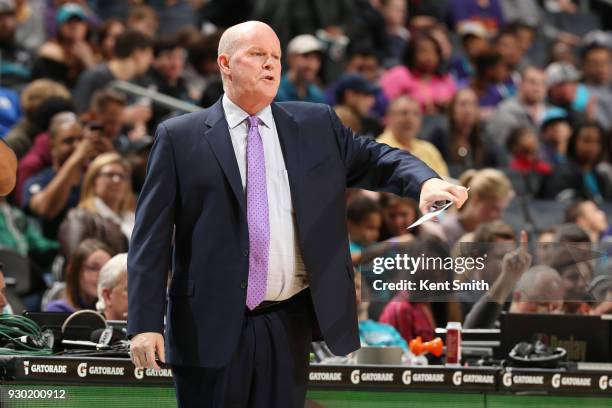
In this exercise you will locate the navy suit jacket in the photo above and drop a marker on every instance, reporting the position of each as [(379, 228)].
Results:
[(193, 194)]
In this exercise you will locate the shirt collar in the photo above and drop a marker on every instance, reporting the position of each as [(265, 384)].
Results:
[(235, 115)]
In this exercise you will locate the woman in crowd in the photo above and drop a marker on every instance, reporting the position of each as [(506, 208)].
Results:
[(490, 194), (459, 139), (64, 57), (421, 76), (488, 83), (106, 207), (107, 35), (586, 174), (82, 277)]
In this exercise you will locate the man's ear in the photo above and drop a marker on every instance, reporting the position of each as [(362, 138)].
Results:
[(223, 62), (106, 296)]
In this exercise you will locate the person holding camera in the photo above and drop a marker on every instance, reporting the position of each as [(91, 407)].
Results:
[(49, 194)]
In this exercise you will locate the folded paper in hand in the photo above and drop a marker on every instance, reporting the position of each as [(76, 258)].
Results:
[(438, 209), (430, 215)]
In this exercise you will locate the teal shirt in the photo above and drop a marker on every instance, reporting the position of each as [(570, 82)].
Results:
[(288, 92), (20, 234), (373, 333)]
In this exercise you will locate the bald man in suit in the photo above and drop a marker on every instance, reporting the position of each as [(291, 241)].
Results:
[(251, 194)]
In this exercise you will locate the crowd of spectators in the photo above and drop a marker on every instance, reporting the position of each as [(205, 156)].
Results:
[(511, 98)]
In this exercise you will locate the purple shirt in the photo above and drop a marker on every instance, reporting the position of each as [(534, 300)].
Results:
[(59, 305), (463, 11)]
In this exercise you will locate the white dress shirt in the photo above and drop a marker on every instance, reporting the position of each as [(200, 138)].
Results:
[(286, 272)]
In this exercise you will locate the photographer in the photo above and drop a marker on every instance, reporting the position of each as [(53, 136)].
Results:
[(52, 192)]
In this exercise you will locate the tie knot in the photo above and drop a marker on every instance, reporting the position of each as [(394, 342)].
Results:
[(253, 121)]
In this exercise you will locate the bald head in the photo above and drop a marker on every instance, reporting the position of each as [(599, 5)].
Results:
[(540, 290), (249, 62), (233, 37), (61, 120), (65, 132)]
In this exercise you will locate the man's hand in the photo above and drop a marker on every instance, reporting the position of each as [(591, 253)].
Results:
[(143, 348), (516, 262), (514, 265), (436, 189)]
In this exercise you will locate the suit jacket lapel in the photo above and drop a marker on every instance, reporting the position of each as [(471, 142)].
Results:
[(219, 138), (288, 133)]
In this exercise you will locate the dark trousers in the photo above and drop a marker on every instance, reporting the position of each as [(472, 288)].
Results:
[(269, 368)]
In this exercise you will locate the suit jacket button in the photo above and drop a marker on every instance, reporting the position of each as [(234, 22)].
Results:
[(243, 284), (245, 252)]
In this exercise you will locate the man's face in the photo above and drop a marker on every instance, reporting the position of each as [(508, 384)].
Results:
[(597, 66), (306, 66), (142, 60), (366, 66), (359, 102), (546, 306), (367, 231), (563, 94), (544, 297), (254, 69), (171, 63), (576, 278), (404, 118), (111, 118), (533, 86), (525, 37), (394, 12), (398, 217), (8, 25), (66, 141), (116, 300), (490, 209), (508, 46), (474, 46), (557, 133)]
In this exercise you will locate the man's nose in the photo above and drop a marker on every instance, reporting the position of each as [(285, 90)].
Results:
[(269, 63)]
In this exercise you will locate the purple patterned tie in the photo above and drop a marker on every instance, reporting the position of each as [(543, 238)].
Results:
[(257, 216)]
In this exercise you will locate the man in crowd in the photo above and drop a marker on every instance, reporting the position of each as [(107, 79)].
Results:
[(166, 73), (404, 120), (526, 109), (355, 93), (588, 216), (112, 288), (597, 76), (304, 60), (133, 57), (52, 192), (540, 290)]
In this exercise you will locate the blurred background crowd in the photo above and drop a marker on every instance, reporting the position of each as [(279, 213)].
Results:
[(512, 98)]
